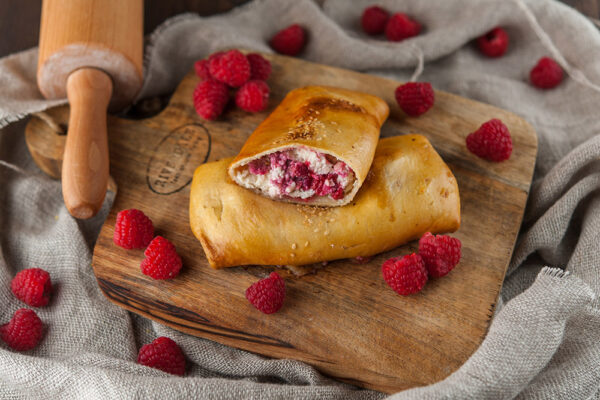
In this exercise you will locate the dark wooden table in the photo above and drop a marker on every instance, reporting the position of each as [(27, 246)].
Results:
[(20, 20)]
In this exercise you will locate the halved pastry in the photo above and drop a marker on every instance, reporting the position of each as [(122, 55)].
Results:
[(409, 191), (315, 148)]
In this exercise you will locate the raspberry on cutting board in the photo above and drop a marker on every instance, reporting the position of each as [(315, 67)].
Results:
[(162, 260), (133, 229), (32, 286), (267, 294), (405, 275), (210, 99), (231, 68), (253, 96), (24, 331), (163, 354), (440, 253), (415, 98), (289, 41), (492, 141), (201, 68), (260, 67)]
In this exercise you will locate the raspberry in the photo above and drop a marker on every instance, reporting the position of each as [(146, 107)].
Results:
[(401, 26), (415, 98), (210, 98), (406, 275), (133, 229), (260, 67), (491, 141), (24, 331), (494, 43), (546, 74), (201, 67), (163, 354), (253, 96), (231, 68), (289, 41), (32, 286), (374, 19), (162, 260), (267, 294), (440, 253)]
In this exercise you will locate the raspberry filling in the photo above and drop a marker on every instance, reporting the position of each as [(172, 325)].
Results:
[(300, 174)]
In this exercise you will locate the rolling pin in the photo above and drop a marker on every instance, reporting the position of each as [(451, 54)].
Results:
[(91, 52)]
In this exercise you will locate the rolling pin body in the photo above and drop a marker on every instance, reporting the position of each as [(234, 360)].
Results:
[(90, 51)]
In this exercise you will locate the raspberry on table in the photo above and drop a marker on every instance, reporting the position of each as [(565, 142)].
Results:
[(253, 96), (374, 20), (133, 229), (260, 67), (440, 253), (201, 68), (162, 260), (546, 74), (24, 331), (289, 41), (231, 68), (494, 43), (415, 98), (163, 354), (400, 26), (210, 99), (406, 275), (491, 141), (267, 294), (32, 286)]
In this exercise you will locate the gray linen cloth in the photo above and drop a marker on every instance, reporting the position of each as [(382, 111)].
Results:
[(544, 341)]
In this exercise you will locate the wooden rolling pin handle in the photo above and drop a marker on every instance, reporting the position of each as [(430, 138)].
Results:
[(85, 165)]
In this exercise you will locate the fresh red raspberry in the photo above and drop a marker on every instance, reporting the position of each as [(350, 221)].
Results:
[(415, 98), (374, 19), (201, 67), (162, 260), (440, 253), (253, 96), (289, 41), (494, 43), (546, 74), (133, 229), (267, 294), (260, 67), (24, 331), (210, 99), (401, 26), (163, 354), (32, 286), (231, 68), (491, 141), (406, 275)]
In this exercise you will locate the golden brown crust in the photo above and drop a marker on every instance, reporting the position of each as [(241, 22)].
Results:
[(339, 122), (409, 191)]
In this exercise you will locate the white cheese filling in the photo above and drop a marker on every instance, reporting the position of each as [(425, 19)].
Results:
[(318, 163)]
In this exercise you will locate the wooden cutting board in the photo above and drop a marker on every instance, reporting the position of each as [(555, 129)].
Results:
[(343, 319)]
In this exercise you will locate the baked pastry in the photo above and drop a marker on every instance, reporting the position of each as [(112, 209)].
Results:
[(409, 191), (315, 148)]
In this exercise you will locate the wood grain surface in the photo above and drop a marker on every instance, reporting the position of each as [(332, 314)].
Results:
[(343, 319)]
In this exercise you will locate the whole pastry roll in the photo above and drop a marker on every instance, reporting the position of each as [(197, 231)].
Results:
[(408, 191), (315, 148)]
